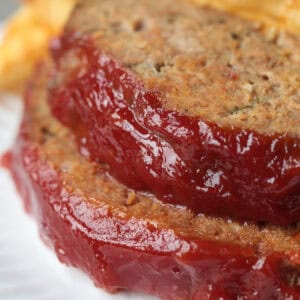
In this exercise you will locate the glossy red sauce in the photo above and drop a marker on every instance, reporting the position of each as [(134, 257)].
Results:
[(133, 254), (183, 160)]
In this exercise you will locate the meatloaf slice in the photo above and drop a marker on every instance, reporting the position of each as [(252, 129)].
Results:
[(129, 240), (205, 62), (199, 107)]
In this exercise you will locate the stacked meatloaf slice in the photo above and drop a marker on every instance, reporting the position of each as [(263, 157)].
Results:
[(160, 151), (195, 106)]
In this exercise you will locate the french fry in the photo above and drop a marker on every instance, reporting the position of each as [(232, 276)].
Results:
[(26, 39), (280, 13)]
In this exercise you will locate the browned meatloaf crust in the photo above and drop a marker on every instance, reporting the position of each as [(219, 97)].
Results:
[(128, 240), (207, 63)]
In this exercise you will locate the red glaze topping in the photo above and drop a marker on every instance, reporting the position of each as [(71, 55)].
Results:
[(120, 253), (183, 160)]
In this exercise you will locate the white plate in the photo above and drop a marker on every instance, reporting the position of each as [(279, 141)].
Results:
[(28, 270)]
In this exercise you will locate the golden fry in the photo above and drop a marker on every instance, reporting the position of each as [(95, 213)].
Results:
[(26, 39), (280, 13)]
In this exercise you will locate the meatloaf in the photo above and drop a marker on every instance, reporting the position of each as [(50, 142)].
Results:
[(197, 106), (125, 239)]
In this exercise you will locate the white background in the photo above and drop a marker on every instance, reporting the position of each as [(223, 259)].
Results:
[(7, 7)]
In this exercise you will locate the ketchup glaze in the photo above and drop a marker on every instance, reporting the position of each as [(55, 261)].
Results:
[(227, 172), (125, 253)]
